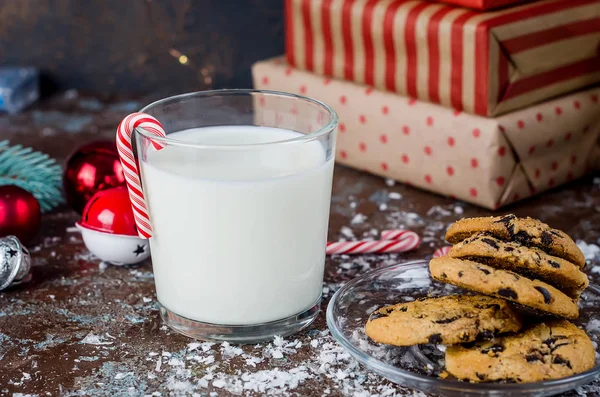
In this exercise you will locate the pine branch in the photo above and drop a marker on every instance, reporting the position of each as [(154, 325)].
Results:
[(33, 171)]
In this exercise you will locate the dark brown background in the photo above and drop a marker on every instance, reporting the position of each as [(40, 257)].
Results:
[(132, 45)]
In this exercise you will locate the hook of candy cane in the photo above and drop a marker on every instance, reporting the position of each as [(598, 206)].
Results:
[(396, 234), (130, 169), (391, 241), (443, 251)]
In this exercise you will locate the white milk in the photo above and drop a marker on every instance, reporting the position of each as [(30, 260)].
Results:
[(239, 235)]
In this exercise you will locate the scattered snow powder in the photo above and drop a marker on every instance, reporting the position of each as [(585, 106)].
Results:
[(402, 219), (593, 327), (395, 196), (347, 232), (436, 210), (590, 251), (325, 360), (92, 339), (193, 346), (358, 219), (230, 351), (175, 362), (413, 278)]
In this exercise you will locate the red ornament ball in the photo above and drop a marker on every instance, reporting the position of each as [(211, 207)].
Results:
[(20, 213), (109, 211), (108, 228), (90, 169)]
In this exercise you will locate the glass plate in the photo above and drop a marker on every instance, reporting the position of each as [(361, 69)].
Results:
[(417, 367)]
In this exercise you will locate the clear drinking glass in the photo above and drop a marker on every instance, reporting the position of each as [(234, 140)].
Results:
[(238, 198)]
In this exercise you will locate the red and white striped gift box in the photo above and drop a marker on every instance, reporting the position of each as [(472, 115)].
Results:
[(483, 4), (486, 63), (486, 161)]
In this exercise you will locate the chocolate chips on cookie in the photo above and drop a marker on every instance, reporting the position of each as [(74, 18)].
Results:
[(551, 350), (526, 262), (525, 231), (505, 284), (447, 320), (505, 259), (531, 262)]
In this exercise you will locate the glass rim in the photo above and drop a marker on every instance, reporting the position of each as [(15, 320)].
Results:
[(232, 92)]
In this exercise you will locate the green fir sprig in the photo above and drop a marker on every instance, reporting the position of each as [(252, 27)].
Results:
[(33, 171)]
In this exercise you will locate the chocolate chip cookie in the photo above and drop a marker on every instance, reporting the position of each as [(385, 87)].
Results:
[(446, 320), (504, 284), (550, 350), (530, 262), (527, 231)]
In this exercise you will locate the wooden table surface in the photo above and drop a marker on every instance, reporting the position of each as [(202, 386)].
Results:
[(83, 328)]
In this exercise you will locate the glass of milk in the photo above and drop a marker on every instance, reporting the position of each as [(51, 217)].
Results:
[(238, 199)]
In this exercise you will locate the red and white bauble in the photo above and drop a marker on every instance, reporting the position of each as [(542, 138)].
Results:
[(108, 228)]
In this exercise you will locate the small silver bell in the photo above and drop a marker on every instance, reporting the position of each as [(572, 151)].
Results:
[(15, 262)]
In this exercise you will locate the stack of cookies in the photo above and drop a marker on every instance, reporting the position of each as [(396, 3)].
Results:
[(522, 260), (505, 259)]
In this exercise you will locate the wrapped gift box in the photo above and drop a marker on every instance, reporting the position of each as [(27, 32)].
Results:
[(595, 157), (482, 4), (19, 88), (486, 161), (487, 63)]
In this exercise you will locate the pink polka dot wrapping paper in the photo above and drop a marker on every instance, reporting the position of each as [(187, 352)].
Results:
[(482, 62), (490, 162)]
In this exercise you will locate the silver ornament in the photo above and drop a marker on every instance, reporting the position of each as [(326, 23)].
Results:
[(15, 262)]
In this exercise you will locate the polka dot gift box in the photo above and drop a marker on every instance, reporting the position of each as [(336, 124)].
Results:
[(486, 161)]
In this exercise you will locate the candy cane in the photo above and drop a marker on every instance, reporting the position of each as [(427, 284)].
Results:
[(406, 242), (394, 234), (441, 251), (132, 175)]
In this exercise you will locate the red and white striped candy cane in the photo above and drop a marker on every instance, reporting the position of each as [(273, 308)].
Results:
[(408, 241), (394, 234), (132, 175), (441, 252)]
